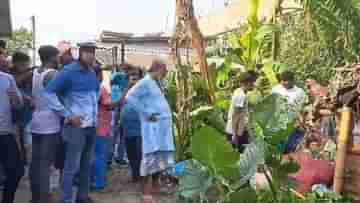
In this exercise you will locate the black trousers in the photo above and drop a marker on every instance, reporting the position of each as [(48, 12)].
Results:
[(134, 152), (240, 142), (43, 156), (13, 164)]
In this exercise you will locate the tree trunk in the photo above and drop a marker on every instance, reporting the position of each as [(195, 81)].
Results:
[(179, 40), (185, 13)]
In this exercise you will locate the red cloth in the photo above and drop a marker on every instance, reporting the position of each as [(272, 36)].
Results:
[(312, 172), (104, 115)]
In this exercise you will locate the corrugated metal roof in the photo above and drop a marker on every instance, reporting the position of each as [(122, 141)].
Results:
[(5, 19)]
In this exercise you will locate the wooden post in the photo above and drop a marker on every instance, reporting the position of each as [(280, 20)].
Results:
[(122, 52), (33, 40), (345, 125), (114, 53)]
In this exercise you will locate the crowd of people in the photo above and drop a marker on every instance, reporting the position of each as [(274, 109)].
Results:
[(62, 115)]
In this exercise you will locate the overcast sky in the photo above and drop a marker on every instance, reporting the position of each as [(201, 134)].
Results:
[(81, 20)]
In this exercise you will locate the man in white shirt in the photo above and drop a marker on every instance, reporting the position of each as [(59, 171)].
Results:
[(295, 97), (237, 116), (289, 90)]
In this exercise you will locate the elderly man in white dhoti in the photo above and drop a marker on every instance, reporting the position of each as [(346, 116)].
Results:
[(148, 99)]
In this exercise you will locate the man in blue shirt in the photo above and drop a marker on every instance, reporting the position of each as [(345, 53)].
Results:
[(78, 84)]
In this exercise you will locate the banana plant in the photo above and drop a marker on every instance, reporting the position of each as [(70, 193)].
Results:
[(251, 48), (248, 46)]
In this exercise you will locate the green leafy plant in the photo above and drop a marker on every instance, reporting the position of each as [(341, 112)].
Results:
[(232, 171), (21, 40), (217, 173), (314, 39), (216, 162), (202, 113)]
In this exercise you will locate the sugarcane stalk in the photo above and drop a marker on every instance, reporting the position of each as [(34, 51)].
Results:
[(343, 138)]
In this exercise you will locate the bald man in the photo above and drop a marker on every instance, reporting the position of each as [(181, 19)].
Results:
[(148, 100)]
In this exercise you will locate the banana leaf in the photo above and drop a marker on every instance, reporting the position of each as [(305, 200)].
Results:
[(270, 74), (233, 40), (253, 17)]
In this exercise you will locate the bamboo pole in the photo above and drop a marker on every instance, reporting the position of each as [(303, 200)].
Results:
[(345, 125)]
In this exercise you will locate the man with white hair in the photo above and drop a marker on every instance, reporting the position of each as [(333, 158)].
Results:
[(148, 100)]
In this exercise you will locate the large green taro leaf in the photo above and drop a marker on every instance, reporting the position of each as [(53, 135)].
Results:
[(273, 117), (195, 181), (211, 149), (249, 161)]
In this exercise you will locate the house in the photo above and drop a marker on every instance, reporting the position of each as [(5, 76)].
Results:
[(137, 50), (5, 19)]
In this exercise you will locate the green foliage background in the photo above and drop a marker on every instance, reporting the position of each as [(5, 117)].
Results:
[(315, 37), (21, 40)]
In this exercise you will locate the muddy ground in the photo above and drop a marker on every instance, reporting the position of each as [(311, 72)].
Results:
[(119, 190)]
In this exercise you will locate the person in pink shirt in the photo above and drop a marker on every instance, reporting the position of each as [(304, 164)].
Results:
[(103, 128)]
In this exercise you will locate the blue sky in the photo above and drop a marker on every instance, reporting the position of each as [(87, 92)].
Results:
[(78, 20)]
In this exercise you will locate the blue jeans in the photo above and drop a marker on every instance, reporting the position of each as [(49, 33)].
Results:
[(99, 165), (110, 149), (79, 149)]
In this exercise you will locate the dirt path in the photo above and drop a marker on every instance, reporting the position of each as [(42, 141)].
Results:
[(119, 190)]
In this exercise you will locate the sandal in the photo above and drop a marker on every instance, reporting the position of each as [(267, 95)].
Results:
[(147, 199)]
